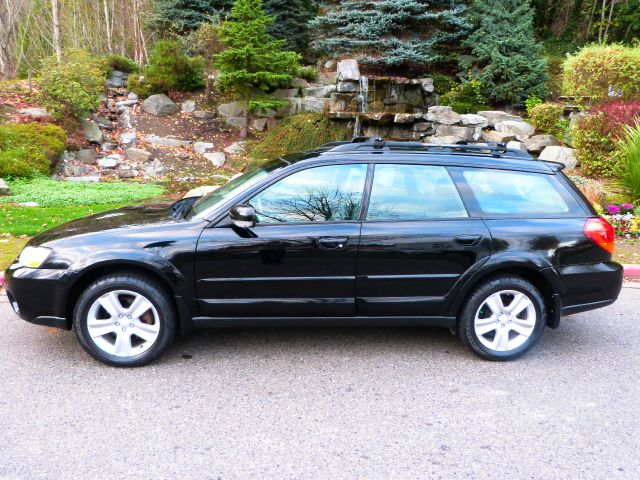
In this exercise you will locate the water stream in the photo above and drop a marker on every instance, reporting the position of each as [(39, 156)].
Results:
[(362, 104)]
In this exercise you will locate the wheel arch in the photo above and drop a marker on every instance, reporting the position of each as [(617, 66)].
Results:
[(93, 273), (545, 280)]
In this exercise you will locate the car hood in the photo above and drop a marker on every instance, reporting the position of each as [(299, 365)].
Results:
[(109, 223)]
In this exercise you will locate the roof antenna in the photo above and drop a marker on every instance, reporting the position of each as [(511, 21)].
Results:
[(378, 142)]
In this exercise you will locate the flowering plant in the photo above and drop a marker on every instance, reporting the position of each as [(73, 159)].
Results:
[(623, 217)]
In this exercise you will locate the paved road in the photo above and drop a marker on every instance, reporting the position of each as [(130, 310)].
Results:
[(326, 404)]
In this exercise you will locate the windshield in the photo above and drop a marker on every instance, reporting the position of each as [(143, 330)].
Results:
[(233, 188)]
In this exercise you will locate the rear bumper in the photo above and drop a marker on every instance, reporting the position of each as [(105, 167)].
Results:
[(39, 296), (587, 287)]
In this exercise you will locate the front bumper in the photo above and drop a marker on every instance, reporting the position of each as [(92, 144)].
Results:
[(39, 295)]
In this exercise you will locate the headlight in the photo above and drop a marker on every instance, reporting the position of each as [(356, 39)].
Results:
[(33, 257)]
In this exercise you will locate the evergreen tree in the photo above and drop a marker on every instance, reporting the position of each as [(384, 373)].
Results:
[(291, 23), (252, 59), (391, 32), (505, 55), (184, 16)]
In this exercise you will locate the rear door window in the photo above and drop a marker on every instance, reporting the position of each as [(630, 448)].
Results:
[(504, 192), (413, 192)]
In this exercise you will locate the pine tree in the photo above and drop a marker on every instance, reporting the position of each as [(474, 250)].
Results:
[(391, 32), (291, 23), (184, 16), (505, 55), (252, 59)]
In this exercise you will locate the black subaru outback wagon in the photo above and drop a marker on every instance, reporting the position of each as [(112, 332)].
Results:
[(479, 239)]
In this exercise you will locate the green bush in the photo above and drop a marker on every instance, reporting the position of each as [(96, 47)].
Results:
[(28, 149), (297, 133), (629, 176), (548, 117), (120, 63), (23, 162), (308, 73), (597, 71), (531, 102), (596, 137), (71, 89), (169, 69), (443, 83), (468, 97)]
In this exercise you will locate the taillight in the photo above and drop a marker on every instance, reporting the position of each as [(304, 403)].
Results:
[(600, 232)]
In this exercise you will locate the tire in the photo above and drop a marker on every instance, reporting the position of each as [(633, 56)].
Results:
[(487, 327), (125, 320)]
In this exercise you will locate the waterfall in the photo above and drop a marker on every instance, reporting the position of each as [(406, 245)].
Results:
[(362, 104)]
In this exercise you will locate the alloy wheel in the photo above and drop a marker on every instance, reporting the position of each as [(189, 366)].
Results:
[(505, 320), (123, 323)]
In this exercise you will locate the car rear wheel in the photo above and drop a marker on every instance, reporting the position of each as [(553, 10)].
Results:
[(503, 318), (124, 320)]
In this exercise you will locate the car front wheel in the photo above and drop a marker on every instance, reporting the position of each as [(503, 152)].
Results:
[(503, 318), (125, 320)]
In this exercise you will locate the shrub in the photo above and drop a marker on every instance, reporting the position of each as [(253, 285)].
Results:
[(23, 162), (468, 97), (596, 135), (630, 161), (297, 133), (169, 69), (308, 73), (443, 83), (532, 101), (548, 117), (28, 149), (72, 88), (120, 63), (601, 71)]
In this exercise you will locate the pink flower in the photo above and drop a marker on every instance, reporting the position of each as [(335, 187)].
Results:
[(612, 209), (626, 206)]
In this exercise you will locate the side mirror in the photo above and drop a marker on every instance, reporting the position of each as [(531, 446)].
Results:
[(242, 216)]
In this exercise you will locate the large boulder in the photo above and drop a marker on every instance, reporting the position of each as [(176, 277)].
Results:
[(4, 188), (521, 130), (285, 93), (260, 124), (204, 115), (493, 136), (314, 104), (558, 154), (472, 120), (426, 84), (218, 159), (155, 168), (455, 131), (235, 148), (202, 147), (128, 139), (348, 70), (347, 87), (91, 131), (442, 114), (188, 106), (537, 143), (495, 116), (110, 162), (117, 79), (159, 104), (167, 142), (138, 155), (299, 83), (319, 91), (86, 155), (201, 191), (34, 112), (232, 109)]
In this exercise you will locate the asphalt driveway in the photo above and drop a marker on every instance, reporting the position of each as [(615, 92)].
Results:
[(326, 404)]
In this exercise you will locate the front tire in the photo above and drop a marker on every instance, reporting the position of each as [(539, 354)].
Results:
[(124, 320), (503, 318)]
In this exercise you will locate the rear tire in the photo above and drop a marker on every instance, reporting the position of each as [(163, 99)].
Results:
[(503, 318), (124, 320)]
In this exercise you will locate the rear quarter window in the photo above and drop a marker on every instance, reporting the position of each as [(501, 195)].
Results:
[(511, 193)]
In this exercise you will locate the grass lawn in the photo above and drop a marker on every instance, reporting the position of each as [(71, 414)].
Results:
[(9, 249), (17, 220)]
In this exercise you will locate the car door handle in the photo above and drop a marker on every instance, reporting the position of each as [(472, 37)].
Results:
[(332, 242), (468, 240)]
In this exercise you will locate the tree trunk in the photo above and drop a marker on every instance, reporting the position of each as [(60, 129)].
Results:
[(244, 129), (107, 24), (57, 44)]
